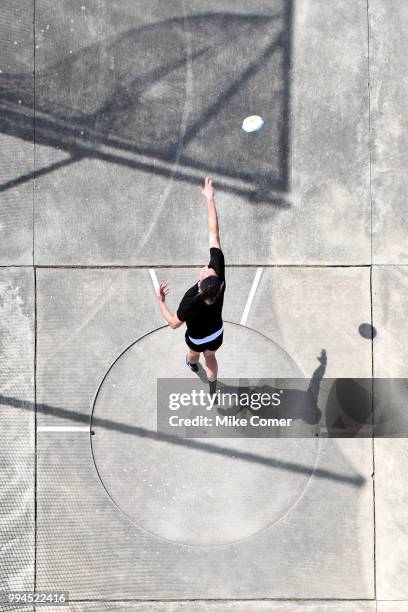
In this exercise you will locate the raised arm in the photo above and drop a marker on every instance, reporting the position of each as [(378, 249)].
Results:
[(213, 229), (170, 318)]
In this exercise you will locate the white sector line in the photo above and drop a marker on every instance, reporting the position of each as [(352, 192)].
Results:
[(63, 428), (251, 296), (155, 284)]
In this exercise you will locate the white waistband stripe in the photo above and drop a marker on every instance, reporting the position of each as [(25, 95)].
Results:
[(207, 338)]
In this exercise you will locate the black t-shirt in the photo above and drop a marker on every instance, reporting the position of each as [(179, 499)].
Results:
[(204, 319)]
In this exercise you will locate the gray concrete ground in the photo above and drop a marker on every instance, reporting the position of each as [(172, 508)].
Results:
[(237, 607), (131, 104), (70, 367)]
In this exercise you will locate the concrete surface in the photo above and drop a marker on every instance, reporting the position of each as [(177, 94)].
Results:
[(142, 102), (134, 103), (17, 133), (326, 306), (87, 545), (100, 309), (390, 291), (391, 516), (247, 606), (179, 501), (389, 131), (17, 428), (392, 606)]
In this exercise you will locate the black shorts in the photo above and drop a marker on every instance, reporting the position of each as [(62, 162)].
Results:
[(207, 346)]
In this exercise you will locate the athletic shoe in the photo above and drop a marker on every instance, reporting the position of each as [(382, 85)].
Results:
[(193, 366)]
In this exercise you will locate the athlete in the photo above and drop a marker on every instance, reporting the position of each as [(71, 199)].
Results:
[(201, 307)]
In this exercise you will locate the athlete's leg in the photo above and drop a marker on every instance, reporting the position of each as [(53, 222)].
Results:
[(211, 365), (193, 357)]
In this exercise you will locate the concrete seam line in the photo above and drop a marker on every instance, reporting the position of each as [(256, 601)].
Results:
[(251, 296)]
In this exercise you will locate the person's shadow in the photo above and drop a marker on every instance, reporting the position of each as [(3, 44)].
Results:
[(295, 403)]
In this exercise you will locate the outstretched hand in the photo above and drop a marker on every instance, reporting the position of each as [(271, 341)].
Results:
[(162, 291), (208, 189)]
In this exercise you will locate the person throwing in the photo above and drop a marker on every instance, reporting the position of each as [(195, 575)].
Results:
[(201, 307)]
